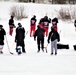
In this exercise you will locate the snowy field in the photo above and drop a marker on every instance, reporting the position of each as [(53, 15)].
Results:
[(33, 63)]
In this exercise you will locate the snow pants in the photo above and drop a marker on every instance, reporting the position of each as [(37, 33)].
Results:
[(46, 31), (10, 30), (54, 46), (32, 30)]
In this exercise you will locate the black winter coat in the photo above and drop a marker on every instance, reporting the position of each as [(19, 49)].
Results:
[(20, 35), (46, 22), (33, 21), (2, 33), (11, 23), (39, 33), (53, 35)]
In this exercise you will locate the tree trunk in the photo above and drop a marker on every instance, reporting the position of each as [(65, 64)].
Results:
[(33, 1), (29, 0)]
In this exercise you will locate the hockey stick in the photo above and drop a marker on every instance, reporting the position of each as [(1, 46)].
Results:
[(8, 46), (46, 48), (26, 33)]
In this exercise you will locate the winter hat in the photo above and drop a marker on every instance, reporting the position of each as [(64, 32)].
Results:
[(38, 26), (34, 16), (55, 20), (12, 17), (1, 26), (46, 17), (19, 24)]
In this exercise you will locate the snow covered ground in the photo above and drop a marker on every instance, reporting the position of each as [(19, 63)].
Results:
[(33, 63)]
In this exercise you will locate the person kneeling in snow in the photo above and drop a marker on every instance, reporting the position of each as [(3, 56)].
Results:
[(54, 36), (2, 33), (19, 38)]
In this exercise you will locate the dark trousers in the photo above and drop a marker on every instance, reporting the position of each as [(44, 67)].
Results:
[(40, 42)]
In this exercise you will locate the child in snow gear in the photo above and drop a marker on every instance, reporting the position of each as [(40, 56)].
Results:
[(2, 33), (19, 37), (54, 36), (54, 23), (39, 33), (32, 25), (11, 25), (75, 24), (46, 22)]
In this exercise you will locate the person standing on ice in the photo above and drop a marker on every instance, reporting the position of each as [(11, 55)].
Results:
[(11, 25), (39, 33), (2, 34), (46, 22), (19, 38), (32, 25), (54, 23), (54, 36)]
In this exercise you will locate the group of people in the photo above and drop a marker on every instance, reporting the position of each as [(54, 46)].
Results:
[(40, 32), (44, 22), (19, 37)]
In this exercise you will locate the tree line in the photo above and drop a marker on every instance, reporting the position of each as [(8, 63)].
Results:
[(47, 1)]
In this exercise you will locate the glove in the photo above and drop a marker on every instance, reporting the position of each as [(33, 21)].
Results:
[(48, 41), (34, 39), (15, 40), (58, 40)]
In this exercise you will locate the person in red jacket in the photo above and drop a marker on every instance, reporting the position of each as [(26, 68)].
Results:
[(32, 25), (11, 25), (54, 23), (46, 22)]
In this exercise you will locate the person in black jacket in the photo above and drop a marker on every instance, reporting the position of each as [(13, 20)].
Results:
[(11, 25), (39, 33), (2, 33), (19, 37), (54, 36)]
